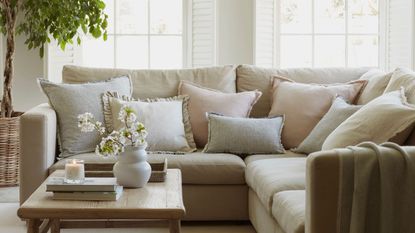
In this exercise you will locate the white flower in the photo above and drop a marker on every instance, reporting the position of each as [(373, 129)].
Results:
[(86, 122), (133, 133), (101, 130)]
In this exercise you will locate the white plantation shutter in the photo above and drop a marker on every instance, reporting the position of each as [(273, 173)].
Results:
[(400, 34), (265, 17), (203, 33), (56, 59)]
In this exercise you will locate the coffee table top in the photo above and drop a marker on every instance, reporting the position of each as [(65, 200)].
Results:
[(154, 201)]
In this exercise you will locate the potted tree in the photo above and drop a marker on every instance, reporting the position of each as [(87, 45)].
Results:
[(40, 21)]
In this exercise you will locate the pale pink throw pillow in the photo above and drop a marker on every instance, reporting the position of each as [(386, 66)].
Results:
[(204, 100), (305, 104)]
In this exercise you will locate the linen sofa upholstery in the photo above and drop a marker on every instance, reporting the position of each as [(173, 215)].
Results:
[(38, 147), (261, 219), (197, 168), (268, 190), (157, 83), (288, 208), (270, 176), (288, 154)]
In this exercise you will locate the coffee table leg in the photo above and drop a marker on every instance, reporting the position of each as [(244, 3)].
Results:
[(55, 226), (33, 225), (174, 225)]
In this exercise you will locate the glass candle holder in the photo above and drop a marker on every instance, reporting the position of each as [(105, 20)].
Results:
[(74, 171)]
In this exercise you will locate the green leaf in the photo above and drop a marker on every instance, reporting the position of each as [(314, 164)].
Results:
[(84, 29), (60, 20), (62, 45), (101, 4), (41, 51), (96, 33)]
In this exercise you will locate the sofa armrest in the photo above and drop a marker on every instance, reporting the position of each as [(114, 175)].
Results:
[(322, 189), (37, 147)]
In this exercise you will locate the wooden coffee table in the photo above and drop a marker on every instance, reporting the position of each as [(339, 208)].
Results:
[(155, 205)]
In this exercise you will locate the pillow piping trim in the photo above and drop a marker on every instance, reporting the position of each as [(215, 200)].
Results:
[(108, 119)]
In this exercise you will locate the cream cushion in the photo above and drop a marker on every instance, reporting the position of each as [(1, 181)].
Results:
[(197, 168), (270, 176), (288, 208), (303, 105), (166, 120), (339, 111), (244, 136), (288, 154), (158, 83), (378, 121), (249, 78), (377, 82), (402, 77), (204, 100)]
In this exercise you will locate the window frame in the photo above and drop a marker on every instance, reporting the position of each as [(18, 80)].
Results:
[(381, 34), (184, 36)]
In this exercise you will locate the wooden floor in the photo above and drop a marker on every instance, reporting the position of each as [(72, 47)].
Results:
[(11, 224)]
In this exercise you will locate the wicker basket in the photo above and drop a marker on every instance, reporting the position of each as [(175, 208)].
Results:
[(9, 150)]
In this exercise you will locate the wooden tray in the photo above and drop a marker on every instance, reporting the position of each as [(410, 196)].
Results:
[(158, 170)]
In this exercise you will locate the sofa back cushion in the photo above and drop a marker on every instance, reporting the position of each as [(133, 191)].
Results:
[(157, 83), (249, 78)]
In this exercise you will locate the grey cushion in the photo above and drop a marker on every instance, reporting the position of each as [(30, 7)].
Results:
[(70, 100), (338, 112), (244, 135), (196, 168)]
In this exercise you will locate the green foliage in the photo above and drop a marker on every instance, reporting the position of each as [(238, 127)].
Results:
[(41, 20)]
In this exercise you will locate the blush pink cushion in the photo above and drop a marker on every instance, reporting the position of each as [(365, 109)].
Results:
[(305, 104), (204, 100)]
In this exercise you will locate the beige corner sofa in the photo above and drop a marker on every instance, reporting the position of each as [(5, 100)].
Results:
[(277, 193)]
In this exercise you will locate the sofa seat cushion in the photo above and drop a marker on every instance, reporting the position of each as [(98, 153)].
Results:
[(270, 176), (288, 208), (287, 154), (197, 168)]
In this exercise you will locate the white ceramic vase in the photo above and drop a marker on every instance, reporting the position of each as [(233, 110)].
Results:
[(132, 169)]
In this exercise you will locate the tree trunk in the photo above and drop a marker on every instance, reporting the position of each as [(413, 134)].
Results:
[(6, 103)]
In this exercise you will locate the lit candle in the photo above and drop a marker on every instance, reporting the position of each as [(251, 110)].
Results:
[(74, 171)]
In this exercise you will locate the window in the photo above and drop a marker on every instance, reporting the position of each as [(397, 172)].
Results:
[(141, 34), (145, 34), (320, 33)]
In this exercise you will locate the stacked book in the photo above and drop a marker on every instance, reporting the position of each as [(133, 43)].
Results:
[(92, 189)]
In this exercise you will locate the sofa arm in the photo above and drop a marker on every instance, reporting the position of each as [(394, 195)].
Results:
[(37, 147), (322, 189)]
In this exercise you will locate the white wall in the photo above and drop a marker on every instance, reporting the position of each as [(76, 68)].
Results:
[(234, 46), (28, 66)]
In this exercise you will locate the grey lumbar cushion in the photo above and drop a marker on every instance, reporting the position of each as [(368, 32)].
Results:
[(339, 111), (244, 135), (70, 100)]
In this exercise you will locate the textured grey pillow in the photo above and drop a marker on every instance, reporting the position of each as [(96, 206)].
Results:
[(339, 111), (70, 100), (244, 135)]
